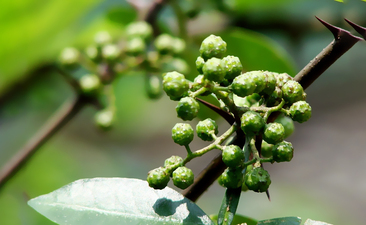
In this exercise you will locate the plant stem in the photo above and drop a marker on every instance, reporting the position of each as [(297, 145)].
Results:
[(55, 123)]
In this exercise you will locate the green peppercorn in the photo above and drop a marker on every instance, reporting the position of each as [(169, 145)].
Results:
[(182, 133), (173, 162), (199, 64), (183, 177), (136, 46), (275, 98), (90, 84), (164, 44), (104, 119), (274, 133), (232, 156), (187, 108), (257, 180), (110, 52), (153, 86), (270, 83), (243, 85), (178, 46), (231, 178), (292, 92), (259, 80), (212, 46), (287, 123), (200, 82), (266, 150), (214, 70), (158, 178), (300, 111), (174, 64), (139, 29), (283, 152), (102, 38), (70, 57), (282, 78), (175, 85), (93, 53), (206, 128), (252, 123), (233, 67)]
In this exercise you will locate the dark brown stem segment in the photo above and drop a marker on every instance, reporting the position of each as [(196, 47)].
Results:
[(59, 120), (343, 41)]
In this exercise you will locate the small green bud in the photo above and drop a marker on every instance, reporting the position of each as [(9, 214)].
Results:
[(175, 85), (199, 64), (292, 91), (212, 46), (179, 46), (139, 29), (110, 52), (158, 178), (183, 177), (270, 83), (233, 66), (257, 180), (300, 111), (244, 85), (274, 133), (252, 123), (206, 128), (90, 84), (259, 80), (173, 162), (164, 44), (104, 119), (187, 108), (136, 46), (69, 57), (283, 152), (231, 178), (175, 64), (266, 150), (214, 70), (287, 123), (182, 134), (102, 38), (153, 86), (282, 78), (275, 98), (200, 82), (232, 156), (92, 53)]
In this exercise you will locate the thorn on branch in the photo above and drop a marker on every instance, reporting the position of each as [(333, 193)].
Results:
[(358, 28)]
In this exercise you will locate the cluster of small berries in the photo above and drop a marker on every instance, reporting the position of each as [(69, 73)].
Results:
[(250, 97), (96, 67)]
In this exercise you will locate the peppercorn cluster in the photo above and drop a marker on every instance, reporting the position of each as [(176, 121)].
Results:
[(250, 97)]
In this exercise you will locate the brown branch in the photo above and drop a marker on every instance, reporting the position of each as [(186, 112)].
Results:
[(59, 120)]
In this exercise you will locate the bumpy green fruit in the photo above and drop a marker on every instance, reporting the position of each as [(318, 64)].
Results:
[(257, 180), (274, 133), (206, 128), (69, 57), (93, 53), (244, 85), (283, 152), (136, 46), (178, 46), (252, 123), (231, 178), (282, 78), (266, 150), (104, 119), (102, 38), (275, 98), (175, 85), (259, 80), (233, 67), (90, 84), (183, 177), (182, 133), (270, 83), (287, 123), (110, 52), (214, 70), (199, 64), (173, 162), (232, 156), (158, 178), (187, 108), (164, 43), (292, 91), (139, 29), (212, 46), (153, 86), (300, 111), (174, 64)]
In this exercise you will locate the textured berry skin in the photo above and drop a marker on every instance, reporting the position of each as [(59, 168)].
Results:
[(287, 123), (69, 57), (183, 177), (158, 178), (300, 111), (259, 80), (270, 83), (90, 84), (231, 178), (173, 162), (200, 82), (252, 123), (153, 87), (164, 43), (282, 78), (292, 92), (232, 156), (212, 46), (205, 128), (140, 29), (266, 150), (199, 64), (257, 180), (233, 66), (104, 119), (214, 70), (274, 133), (187, 108), (283, 152), (175, 85), (182, 133), (136, 46), (243, 85)]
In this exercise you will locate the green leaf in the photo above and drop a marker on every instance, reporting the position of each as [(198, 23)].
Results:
[(257, 52), (111, 201), (313, 222), (281, 221), (229, 205), (122, 15), (238, 219)]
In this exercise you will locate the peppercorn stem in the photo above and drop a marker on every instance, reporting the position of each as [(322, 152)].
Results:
[(198, 92)]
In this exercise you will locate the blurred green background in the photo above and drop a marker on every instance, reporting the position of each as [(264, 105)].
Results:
[(326, 179)]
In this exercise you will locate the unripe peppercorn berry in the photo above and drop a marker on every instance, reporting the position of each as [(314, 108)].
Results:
[(173, 162), (206, 128), (287, 123), (243, 85), (283, 152), (300, 111), (139, 29), (69, 57), (164, 43), (183, 177), (233, 66), (282, 78), (178, 46), (90, 84), (266, 150), (252, 123), (270, 83), (292, 91), (275, 98), (274, 133), (232, 156), (158, 178), (104, 119), (136, 46), (259, 79), (182, 133), (110, 52), (102, 38), (200, 82), (187, 108), (231, 178), (174, 64), (257, 180), (212, 46), (214, 70), (153, 86), (175, 85), (199, 64)]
